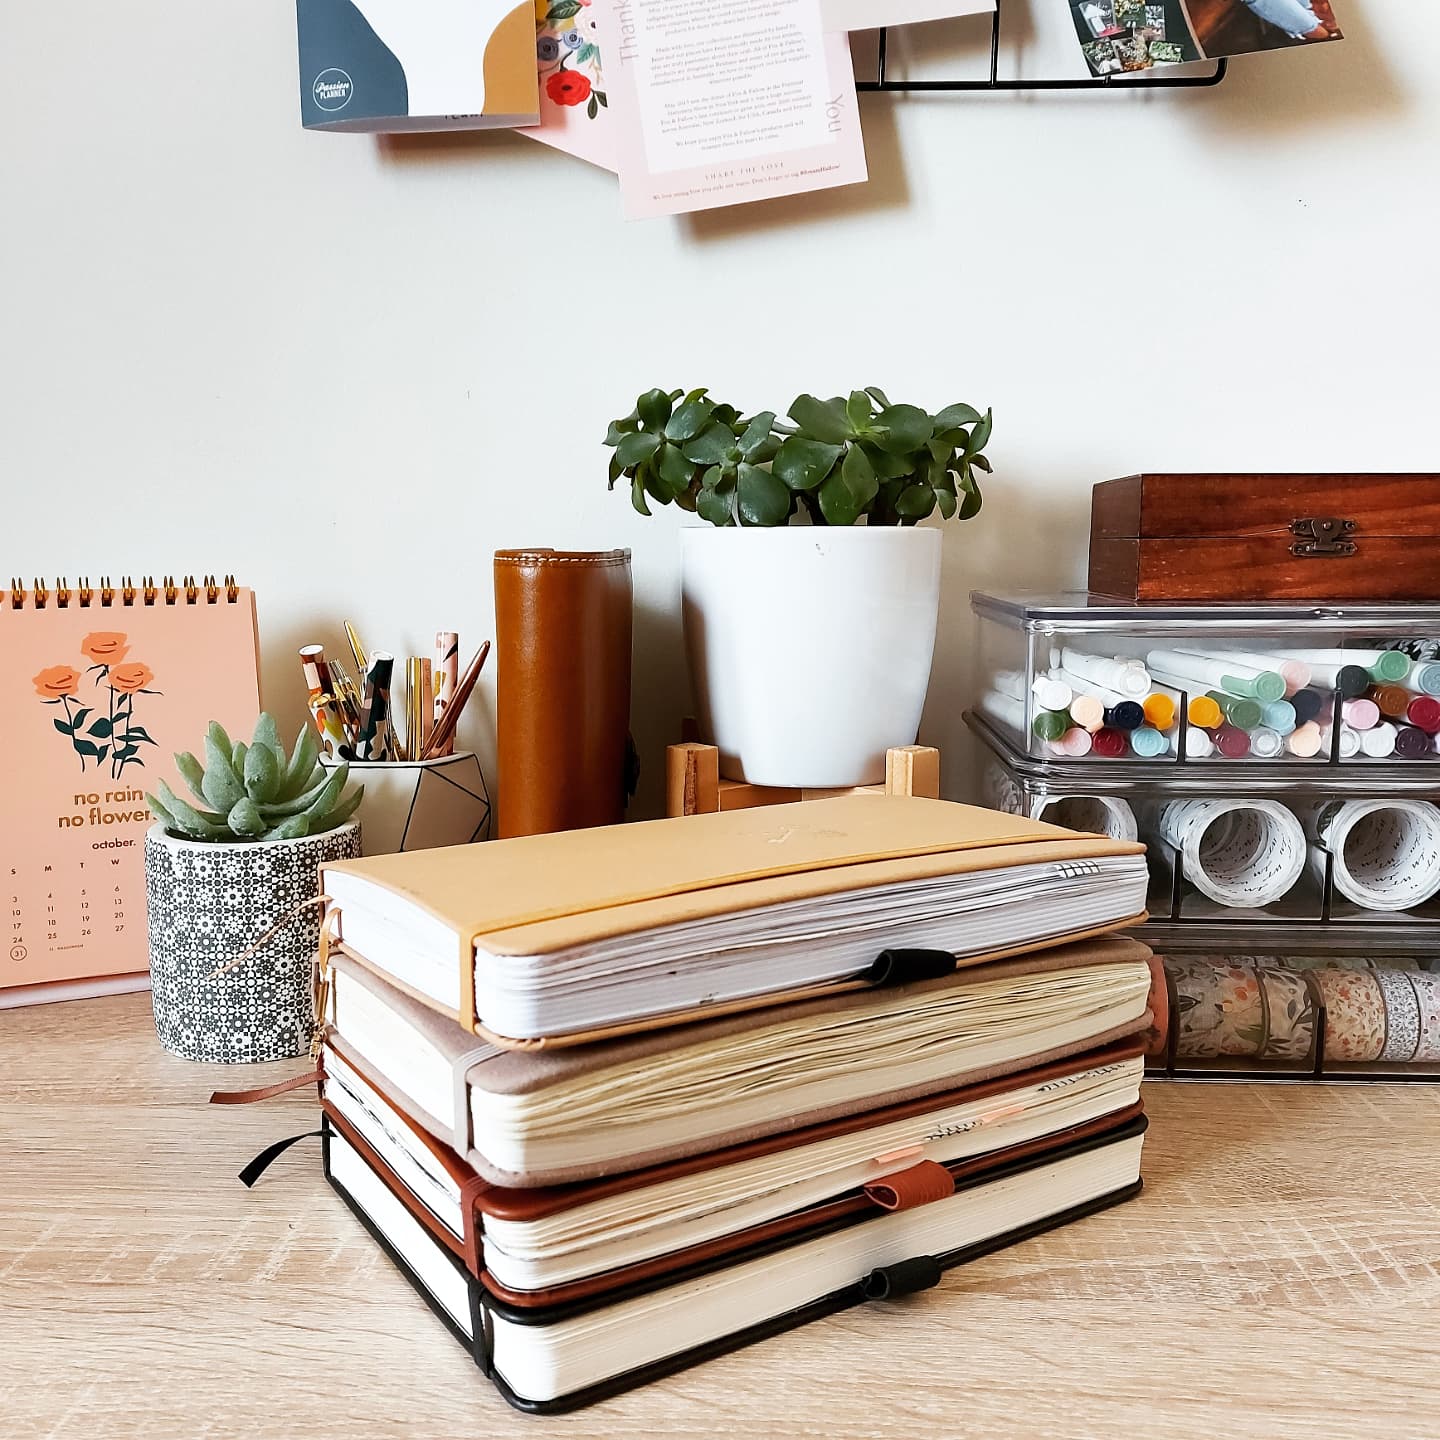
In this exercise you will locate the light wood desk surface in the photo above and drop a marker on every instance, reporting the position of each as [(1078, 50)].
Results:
[(1277, 1278)]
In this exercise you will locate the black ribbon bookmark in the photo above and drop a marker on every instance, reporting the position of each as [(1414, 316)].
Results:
[(902, 967), (269, 1155)]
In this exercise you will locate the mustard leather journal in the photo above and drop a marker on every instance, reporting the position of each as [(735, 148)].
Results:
[(567, 938)]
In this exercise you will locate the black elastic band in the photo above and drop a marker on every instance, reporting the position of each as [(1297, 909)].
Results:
[(271, 1153), (909, 1276), (901, 967)]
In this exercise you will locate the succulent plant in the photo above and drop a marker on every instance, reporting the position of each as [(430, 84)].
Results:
[(841, 460), (256, 792)]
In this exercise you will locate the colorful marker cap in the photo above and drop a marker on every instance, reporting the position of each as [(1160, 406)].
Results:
[(1279, 716), (1052, 694), (1393, 700), (1411, 742), (1108, 742), (1127, 715), (1391, 665), (1424, 711), (1050, 724), (1204, 712), (1349, 743), (1308, 704), (1198, 745), (1378, 742), (1086, 710), (1361, 714), (1295, 672), (1268, 685), (1427, 678), (1074, 743), (1231, 742), (1266, 744), (1305, 740), (1147, 742), (1241, 712), (1159, 711), (1352, 680)]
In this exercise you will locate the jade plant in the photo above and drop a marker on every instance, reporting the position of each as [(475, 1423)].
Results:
[(840, 459), (256, 792)]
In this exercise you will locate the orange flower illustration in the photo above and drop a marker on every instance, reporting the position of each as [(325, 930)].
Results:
[(105, 647), (57, 681), (130, 677)]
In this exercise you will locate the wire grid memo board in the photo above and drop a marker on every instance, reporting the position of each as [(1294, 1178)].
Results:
[(994, 82)]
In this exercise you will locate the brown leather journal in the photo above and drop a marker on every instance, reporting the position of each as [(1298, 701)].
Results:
[(562, 632), (899, 1179)]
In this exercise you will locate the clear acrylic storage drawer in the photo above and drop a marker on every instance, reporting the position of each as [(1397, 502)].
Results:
[(1073, 677)]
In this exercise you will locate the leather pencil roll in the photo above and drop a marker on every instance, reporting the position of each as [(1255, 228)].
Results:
[(562, 634)]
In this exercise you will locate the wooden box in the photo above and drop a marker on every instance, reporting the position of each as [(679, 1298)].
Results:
[(1266, 537)]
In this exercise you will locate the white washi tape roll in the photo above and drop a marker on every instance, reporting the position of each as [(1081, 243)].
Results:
[(1240, 853), (1387, 852), (1098, 814)]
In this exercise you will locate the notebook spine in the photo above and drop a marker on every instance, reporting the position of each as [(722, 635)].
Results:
[(105, 596)]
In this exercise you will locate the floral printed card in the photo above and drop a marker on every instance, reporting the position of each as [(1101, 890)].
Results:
[(94, 701), (574, 107), (721, 102)]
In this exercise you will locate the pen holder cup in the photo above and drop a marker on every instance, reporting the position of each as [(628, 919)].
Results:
[(421, 804)]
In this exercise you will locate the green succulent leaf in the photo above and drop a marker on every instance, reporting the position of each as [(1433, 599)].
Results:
[(955, 415), (715, 507), (299, 772), (945, 499), (980, 463), (615, 470), (907, 427), (244, 819), (837, 504), (859, 411), (915, 502), (215, 732), (237, 757), (859, 477), (653, 408), (636, 448), (340, 814), (691, 418), (267, 733), (878, 396), (193, 773), (293, 828), (970, 503), (763, 500), (196, 824), (756, 436), (222, 787), (825, 420), (262, 773), (802, 464), (677, 471), (637, 496), (711, 446), (885, 465), (980, 435)]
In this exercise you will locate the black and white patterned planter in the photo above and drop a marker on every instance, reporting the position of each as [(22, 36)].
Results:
[(206, 904)]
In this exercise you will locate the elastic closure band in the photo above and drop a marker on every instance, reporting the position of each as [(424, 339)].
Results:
[(907, 1278)]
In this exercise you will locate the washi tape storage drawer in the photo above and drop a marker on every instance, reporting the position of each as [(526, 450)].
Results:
[(1079, 678), (1297, 908)]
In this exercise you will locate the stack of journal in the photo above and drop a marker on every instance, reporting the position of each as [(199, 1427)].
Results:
[(618, 1100)]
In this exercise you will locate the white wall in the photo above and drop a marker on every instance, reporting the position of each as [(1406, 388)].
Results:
[(349, 370)]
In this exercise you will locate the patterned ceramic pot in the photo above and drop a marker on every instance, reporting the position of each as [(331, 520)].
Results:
[(207, 904)]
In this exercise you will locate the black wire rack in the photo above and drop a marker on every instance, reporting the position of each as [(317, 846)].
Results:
[(1132, 81)]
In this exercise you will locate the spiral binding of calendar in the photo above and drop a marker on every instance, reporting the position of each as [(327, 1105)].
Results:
[(208, 591)]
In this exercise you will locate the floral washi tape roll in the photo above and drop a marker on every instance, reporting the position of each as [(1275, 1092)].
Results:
[(1290, 1012), (1198, 1013), (1402, 1016), (1354, 1014), (1427, 992)]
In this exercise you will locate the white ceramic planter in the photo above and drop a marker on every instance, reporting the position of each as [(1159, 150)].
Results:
[(421, 804), (810, 647), (205, 905)]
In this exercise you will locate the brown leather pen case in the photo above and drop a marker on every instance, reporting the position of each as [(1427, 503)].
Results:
[(562, 628)]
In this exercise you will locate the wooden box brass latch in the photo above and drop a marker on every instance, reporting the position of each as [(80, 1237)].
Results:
[(1322, 537)]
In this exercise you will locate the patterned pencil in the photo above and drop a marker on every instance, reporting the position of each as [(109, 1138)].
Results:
[(447, 676)]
